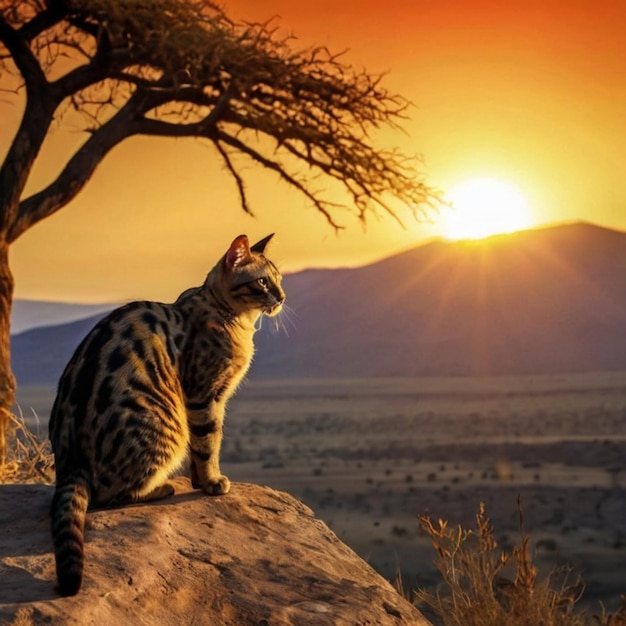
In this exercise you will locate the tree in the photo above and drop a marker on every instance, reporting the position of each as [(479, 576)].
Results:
[(177, 68)]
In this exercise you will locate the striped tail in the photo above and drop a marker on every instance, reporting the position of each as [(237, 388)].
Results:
[(68, 512)]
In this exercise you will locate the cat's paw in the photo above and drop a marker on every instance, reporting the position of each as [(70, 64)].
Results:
[(158, 493), (166, 490), (217, 487)]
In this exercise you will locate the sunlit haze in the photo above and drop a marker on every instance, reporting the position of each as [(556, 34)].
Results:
[(530, 94), (482, 207)]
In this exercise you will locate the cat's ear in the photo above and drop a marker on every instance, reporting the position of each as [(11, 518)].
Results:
[(259, 246), (238, 253)]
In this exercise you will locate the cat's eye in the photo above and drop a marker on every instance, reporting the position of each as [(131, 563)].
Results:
[(263, 282)]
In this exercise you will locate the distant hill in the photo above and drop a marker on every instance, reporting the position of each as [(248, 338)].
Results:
[(27, 314), (551, 300), (540, 301), (39, 355)]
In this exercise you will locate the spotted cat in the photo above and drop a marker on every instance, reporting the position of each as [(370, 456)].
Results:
[(147, 387)]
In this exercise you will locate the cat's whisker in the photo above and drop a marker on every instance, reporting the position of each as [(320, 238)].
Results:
[(287, 314)]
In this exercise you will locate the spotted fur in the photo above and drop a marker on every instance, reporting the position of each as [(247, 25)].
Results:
[(146, 388)]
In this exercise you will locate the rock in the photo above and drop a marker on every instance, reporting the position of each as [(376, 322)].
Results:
[(255, 556)]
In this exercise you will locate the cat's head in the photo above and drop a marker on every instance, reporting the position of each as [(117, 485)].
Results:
[(249, 279)]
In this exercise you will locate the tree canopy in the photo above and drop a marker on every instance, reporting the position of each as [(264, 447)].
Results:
[(184, 68)]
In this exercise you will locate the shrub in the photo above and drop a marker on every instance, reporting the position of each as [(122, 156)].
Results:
[(28, 459), (477, 593)]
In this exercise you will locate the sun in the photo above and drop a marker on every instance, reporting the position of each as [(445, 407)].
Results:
[(482, 207)]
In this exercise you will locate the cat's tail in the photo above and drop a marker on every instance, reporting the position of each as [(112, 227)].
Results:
[(67, 513)]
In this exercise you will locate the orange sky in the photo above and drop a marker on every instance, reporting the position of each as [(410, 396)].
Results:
[(532, 92)]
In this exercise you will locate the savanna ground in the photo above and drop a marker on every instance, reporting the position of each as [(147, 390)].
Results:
[(368, 456)]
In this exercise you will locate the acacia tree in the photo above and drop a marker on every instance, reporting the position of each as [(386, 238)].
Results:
[(179, 68)]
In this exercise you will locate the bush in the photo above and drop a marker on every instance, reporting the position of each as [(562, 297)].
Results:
[(28, 459), (477, 593)]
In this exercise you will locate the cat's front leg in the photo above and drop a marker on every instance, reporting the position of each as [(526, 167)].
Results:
[(206, 430)]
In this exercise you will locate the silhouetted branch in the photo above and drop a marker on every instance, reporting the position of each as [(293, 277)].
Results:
[(191, 71), (77, 171), (20, 53), (323, 206), (241, 188)]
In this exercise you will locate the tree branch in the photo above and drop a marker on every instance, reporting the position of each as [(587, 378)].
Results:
[(78, 170), (322, 206), (40, 22), (243, 198), (24, 59)]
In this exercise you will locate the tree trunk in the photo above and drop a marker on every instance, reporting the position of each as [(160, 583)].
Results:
[(7, 380)]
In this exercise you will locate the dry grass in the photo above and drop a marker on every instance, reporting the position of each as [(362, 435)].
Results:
[(29, 460), (485, 585)]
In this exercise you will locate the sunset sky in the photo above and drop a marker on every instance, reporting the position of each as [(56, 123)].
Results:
[(529, 93)]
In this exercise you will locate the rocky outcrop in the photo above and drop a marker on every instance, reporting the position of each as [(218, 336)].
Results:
[(256, 556)]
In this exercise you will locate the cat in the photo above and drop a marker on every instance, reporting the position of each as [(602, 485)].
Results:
[(147, 387)]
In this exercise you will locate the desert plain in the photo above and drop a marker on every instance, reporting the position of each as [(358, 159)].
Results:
[(369, 455)]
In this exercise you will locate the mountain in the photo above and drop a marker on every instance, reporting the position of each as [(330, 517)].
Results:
[(550, 300), (540, 301), (27, 314), (39, 355)]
